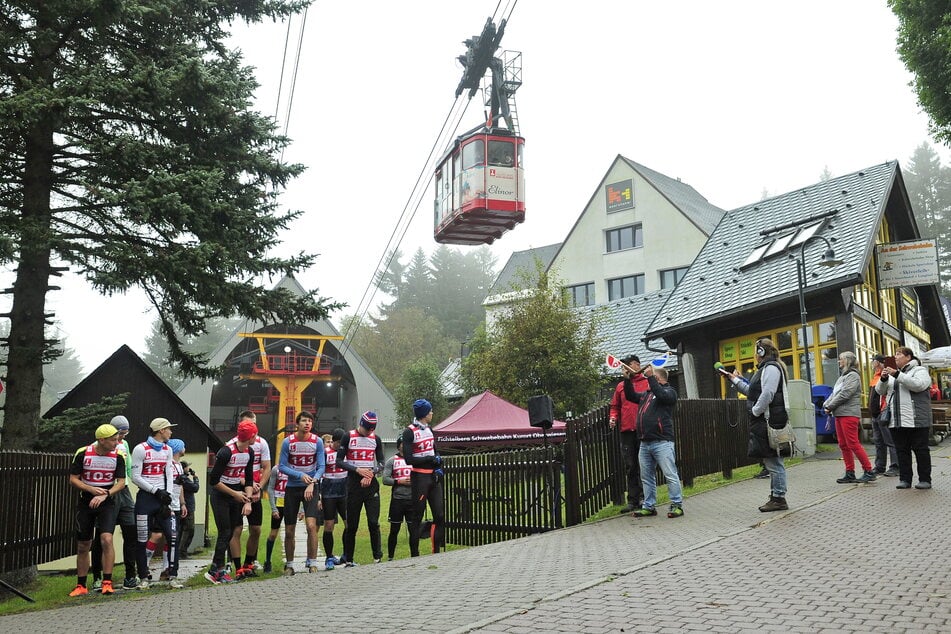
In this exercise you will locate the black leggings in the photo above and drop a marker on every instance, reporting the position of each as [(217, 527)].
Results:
[(357, 498), (426, 487), (227, 512)]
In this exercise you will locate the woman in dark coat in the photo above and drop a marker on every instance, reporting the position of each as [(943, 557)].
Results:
[(766, 405)]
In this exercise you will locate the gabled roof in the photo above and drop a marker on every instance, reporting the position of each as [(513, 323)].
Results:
[(149, 397), (486, 419), (682, 196), (626, 323), (522, 261), (716, 287)]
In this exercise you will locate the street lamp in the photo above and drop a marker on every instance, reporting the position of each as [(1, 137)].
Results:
[(828, 260)]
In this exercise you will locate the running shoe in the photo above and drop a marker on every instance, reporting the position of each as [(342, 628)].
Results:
[(175, 582), (255, 565), (241, 573), (330, 563), (288, 570), (267, 567), (164, 575), (378, 560), (96, 584), (130, 583), (644, 512), (106, 587), (79, 591), (143, 584), (213, 575), (675, 511), (350, 564)]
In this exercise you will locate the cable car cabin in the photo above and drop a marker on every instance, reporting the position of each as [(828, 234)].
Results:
[(480, 188)]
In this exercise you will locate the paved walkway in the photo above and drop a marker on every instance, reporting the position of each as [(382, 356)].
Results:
[(863, 558)]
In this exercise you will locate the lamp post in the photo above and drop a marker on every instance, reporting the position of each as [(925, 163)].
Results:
[(828, 260)]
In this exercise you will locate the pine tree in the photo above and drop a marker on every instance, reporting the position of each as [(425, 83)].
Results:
[(130, 154), (929, 189)]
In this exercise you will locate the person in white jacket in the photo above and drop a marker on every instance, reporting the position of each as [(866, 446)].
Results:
[(906, 392)]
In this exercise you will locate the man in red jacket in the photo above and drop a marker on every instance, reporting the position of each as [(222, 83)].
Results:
[(625, 411)]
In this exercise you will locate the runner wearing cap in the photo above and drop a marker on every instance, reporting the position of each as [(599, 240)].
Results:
[(262, 472), (98, 471), (125, 515), (232, 484), (302, 461), (419, 449), (153, 473), (361, 454)]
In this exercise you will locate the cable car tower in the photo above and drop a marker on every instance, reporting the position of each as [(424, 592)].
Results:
[(480, 181)]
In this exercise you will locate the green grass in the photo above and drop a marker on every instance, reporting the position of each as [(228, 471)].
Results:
[(700, 484), (50, 591)]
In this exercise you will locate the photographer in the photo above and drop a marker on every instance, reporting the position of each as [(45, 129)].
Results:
[(190, 485)]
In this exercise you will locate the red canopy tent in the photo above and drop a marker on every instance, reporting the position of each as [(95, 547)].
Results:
[(487, 421)]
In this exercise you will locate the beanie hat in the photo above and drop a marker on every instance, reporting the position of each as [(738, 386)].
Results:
[(106, 431), (368, 420), (177, 445), (421, 407), (247, 430), (120, 422)]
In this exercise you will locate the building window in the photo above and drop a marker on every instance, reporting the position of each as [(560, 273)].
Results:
[(581, 294), (820, 346), (625, 287), (671, 277), (624, 238)]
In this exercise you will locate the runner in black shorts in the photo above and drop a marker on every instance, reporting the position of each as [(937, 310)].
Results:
[(396, 473), (98, 471)]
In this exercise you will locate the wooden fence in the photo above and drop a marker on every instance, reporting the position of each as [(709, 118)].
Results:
[(489, 497), (497, 496), (36, 509)]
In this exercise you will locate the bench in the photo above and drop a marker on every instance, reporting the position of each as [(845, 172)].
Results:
[(940, 422)]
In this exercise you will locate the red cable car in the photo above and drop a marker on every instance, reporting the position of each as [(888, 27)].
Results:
[(480, 188)]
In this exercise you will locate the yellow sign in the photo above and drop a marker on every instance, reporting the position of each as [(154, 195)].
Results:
[(728, 351), (917, 331), (746, 348)]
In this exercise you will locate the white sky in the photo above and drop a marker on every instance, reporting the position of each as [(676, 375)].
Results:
[(732, 97)]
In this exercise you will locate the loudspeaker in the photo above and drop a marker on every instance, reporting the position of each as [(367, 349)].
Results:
[(541, 411)]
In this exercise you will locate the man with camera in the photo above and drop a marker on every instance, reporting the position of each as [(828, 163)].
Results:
[(190, 486)]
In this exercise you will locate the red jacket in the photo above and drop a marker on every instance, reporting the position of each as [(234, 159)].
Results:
[(624, 410)]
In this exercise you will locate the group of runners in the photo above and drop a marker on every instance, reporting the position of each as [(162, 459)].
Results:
[(317, 480)]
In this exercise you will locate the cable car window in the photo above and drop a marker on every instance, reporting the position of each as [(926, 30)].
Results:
[(473, 154), (521, 155), (501, 153)]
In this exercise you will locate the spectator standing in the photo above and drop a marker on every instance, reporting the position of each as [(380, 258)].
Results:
[(845, 405), (765, 403), (906, 392), (885, 454), (624, 411), (190, 486), (655, 425)]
